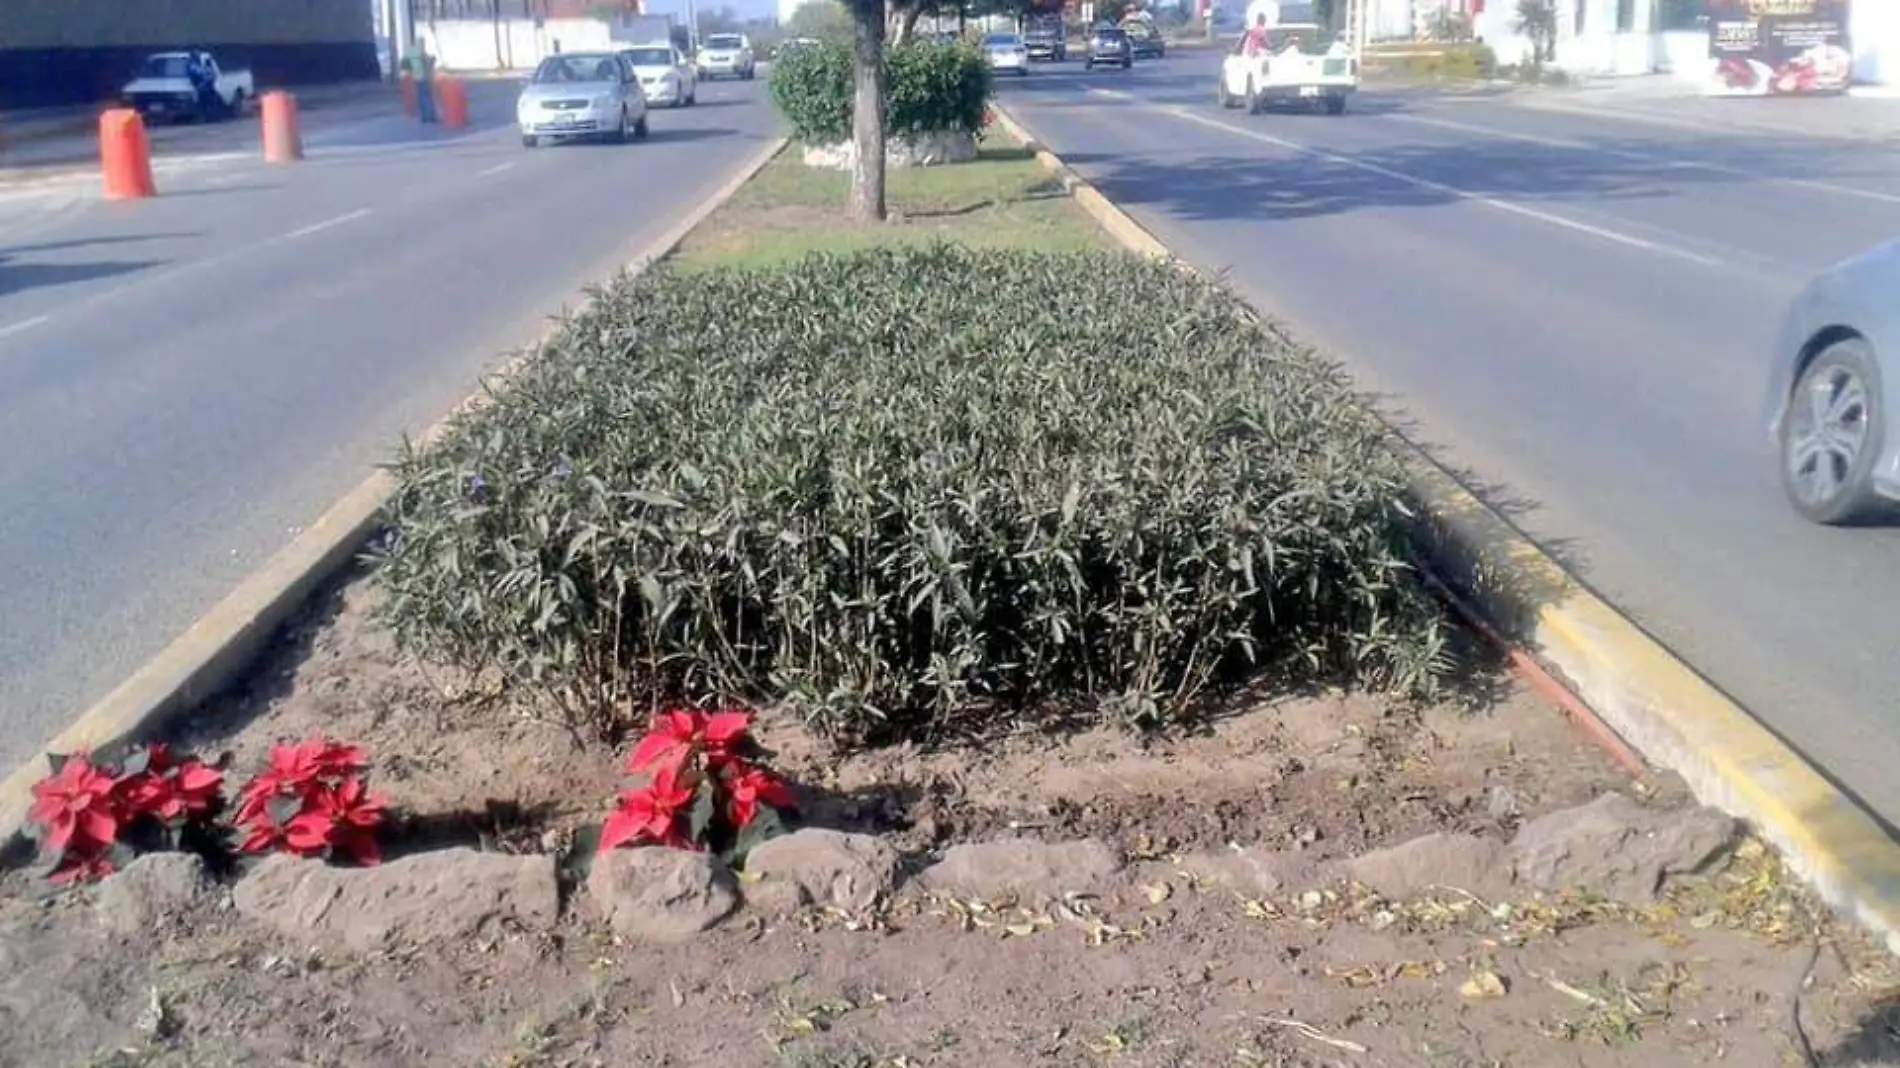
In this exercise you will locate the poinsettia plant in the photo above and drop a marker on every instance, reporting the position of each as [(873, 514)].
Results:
[(706, 788), (312, 799), (91, 816)]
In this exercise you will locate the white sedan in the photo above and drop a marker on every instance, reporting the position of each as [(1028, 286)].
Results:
[(666, 77), (1007, 51)]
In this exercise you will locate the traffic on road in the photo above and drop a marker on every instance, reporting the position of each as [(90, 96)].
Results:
[(187, 381), (1579, 312)]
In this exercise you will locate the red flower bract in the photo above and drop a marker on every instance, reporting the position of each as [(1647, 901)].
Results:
[(311, 800), (171, 790), (650, 814), (76, 806), (677, 735), (748, 788)]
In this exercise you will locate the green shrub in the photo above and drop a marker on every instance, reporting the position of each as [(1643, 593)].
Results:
[(1468, 61), (928, 87), (905, 500)]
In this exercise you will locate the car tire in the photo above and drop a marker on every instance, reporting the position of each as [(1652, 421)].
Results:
[(625, 131), (530, 141), (1336, 105), (640, 128), (1227, 100), (1089, 65), (236, 107), (1832, 436), (1253, 99)]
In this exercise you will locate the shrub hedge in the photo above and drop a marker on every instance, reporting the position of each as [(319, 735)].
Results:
[(904, 499), (929, 87)]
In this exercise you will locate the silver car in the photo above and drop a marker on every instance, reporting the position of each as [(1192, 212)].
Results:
[(582, 94), (726, 55), (1828, 394)]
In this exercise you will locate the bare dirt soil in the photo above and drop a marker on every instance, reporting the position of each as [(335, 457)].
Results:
[(1162, 967)]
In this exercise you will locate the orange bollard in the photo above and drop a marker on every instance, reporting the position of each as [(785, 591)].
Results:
[(125, 155), (409, 105), (283, 133), (452, 103)]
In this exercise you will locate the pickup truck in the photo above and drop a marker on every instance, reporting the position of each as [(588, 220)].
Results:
[(162, 88), (1296, 66)]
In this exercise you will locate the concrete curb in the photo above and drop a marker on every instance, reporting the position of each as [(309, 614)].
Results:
[(222, 643), (1649, 697)]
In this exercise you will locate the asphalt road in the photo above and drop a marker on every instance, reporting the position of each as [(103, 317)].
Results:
[(186, 381), (1574, 309)]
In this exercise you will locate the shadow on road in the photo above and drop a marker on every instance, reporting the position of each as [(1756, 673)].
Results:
[(19, 278)]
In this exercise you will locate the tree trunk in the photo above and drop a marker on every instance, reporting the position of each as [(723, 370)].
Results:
[(867, 114), (907, 23)]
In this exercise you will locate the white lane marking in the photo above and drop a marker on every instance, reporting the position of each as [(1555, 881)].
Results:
[(1645, 157), (1602, 233), (24, 325), (496, 169), (317, 228)]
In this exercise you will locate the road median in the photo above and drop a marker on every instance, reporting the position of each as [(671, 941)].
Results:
[(874, 544)]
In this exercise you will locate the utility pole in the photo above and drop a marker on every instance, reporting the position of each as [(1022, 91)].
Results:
[(402, 36)]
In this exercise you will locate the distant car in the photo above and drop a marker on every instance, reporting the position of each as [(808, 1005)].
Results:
[(582, 94), (666, 76), (726, 55), (1110, 44), (1144, 40), (162, 88), (1006, 51), (1047, 40), (1829, 391)]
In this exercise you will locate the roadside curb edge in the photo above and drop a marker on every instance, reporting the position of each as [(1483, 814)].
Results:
[(223, 642), (1642, 691)]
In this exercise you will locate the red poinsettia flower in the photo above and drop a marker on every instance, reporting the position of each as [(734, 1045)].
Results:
[(650, 814), (675, 735), (296, 771), (76, 804), (747, 788), (169, 789)]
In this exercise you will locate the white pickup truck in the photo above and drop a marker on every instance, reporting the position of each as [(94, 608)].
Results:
[(1296, 66), (163, 88)]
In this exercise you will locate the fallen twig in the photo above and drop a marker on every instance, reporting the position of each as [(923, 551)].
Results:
[(1307, 1030)]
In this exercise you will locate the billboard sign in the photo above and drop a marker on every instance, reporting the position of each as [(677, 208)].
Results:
[(1779, 47)]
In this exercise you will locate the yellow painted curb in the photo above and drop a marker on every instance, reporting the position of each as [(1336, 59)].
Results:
[(1655, 701), (222, 643)]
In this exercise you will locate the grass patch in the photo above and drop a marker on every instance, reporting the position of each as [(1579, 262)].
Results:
[(1004, 199)]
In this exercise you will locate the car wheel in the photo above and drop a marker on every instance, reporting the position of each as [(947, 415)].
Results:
[(1833, 434), (625, 132), (1335, 105), (530, 141), (640, 128), (237, 104), (1089, 65), (1254, 102), (1221, 94)]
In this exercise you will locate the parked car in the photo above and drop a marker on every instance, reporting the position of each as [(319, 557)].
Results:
[(1109, 44), (1048, 40), (167, 85), (726, 55), (1006, 51), (666, 76), (1143, 39), (582, 94), (1829, 391)]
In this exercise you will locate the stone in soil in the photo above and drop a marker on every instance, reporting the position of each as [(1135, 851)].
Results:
[(1434, 861), (655, 894), (1252, 872), (430, 897), (1024, 867), (153, 892), (822, 867), (1617, 847)]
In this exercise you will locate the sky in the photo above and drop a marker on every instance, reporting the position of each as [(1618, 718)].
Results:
[(745, 9)]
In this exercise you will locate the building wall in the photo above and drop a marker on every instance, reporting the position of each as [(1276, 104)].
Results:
[(78, 51)]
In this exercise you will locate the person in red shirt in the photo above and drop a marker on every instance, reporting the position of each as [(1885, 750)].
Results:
[(1256, 37)]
